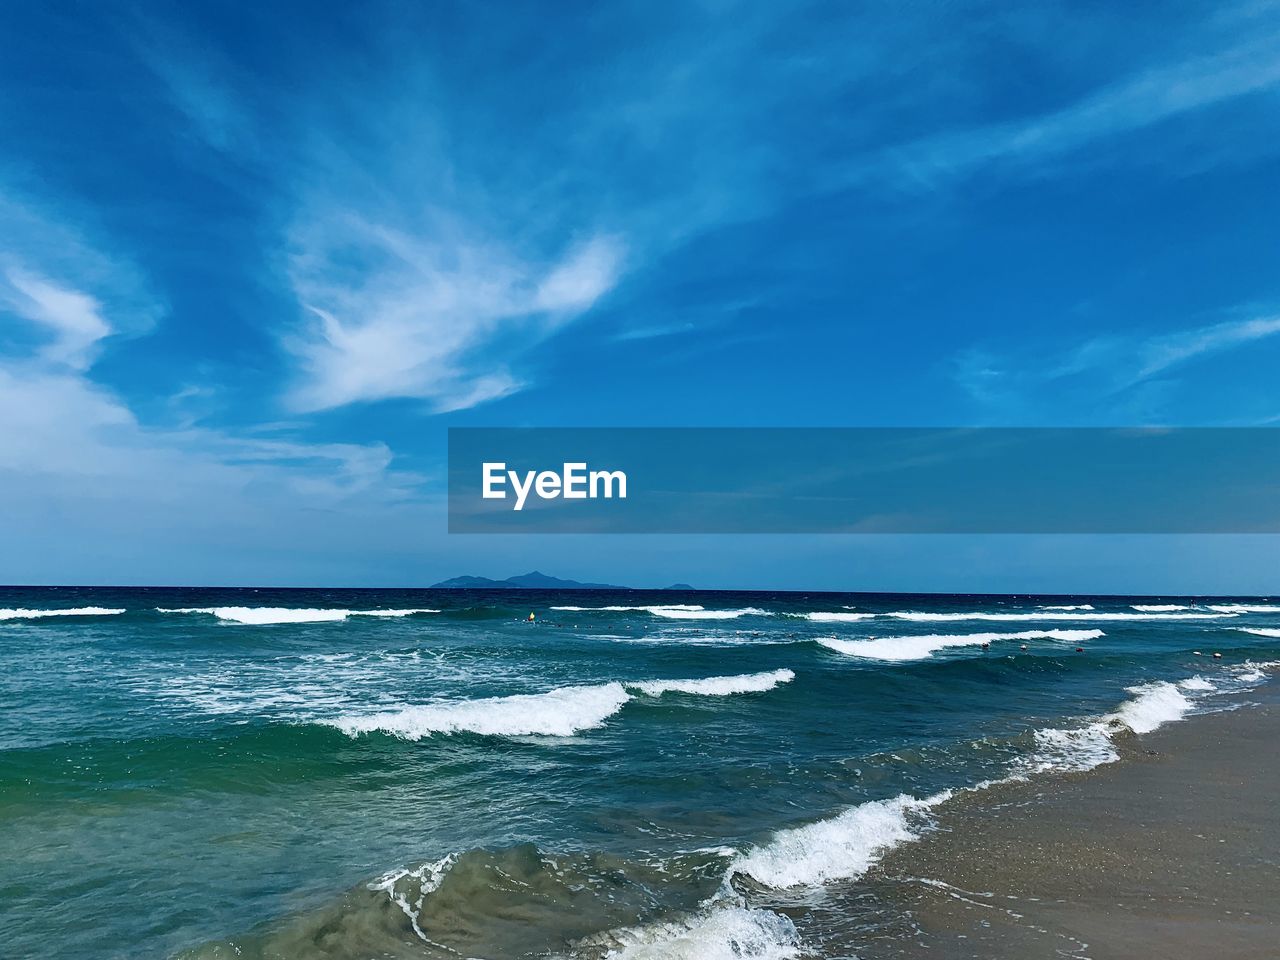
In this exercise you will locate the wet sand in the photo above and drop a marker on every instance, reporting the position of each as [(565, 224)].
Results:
[(1171, 853)]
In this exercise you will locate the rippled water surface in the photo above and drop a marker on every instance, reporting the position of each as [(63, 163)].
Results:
[(343, 774)]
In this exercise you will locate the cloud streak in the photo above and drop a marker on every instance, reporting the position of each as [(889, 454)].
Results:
[(1127, 372), (1125, 106), (427, 319)]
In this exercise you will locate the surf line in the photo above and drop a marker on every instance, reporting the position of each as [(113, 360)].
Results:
[(573, 482)]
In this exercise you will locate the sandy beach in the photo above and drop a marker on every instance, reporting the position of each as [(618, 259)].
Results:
[(1171, 853)]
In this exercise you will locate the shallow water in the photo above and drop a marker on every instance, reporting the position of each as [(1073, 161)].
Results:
[(425, 773)]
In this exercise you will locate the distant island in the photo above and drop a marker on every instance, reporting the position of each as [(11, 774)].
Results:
[(532, 581)]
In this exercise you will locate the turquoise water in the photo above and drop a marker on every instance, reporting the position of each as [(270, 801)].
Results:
[(686, 775)]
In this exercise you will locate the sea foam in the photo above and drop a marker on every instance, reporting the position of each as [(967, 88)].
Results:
[(921, 647), (259, 616), (674, 611), (837, 617), (417, 883), (1153, 705), (1083, 748), (840, 848), (558, 713), (623, 609), (720, 931), (22, 614), (1084, 615), (717, 686)]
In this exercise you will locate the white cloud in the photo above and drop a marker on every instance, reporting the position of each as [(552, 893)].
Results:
[(1159, 354), (427, 318), (1125, 106), (73, 319), (1127, 372)]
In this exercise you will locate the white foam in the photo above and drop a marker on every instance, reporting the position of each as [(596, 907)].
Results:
[(1235, 608), (23, 614), (1085, 615), (1067, 606), (1079, 749), (1251, 672), (1262, 632), (700, 639), (1083, 748), (838, 617), (649, 607), (259, 616), (843, 847), (1159, 607), (921, 647), (717, 686), (1153, 705), (558, 713), (677, 613), (720, 931), (1197, 684), (398, 885)]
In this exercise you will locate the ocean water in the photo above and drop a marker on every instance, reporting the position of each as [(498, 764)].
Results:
[(357, 774)]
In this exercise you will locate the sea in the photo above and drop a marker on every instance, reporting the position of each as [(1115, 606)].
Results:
[(356, 774)]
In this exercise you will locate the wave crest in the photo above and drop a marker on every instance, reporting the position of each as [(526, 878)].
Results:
[(922, 647), (840, 848), (261, 616), (24, 614), (717, 686), (558, 713)]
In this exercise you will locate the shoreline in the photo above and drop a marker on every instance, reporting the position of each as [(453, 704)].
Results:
[(1171, 852)]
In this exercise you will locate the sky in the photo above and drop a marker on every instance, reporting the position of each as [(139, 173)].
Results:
[(254, 262)]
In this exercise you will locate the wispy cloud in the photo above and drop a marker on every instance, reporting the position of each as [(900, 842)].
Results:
[(1123, 107), (64, 430), (1113, 375), (428, 319), (71, 318)]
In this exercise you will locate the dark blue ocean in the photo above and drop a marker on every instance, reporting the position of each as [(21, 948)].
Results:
[(416, 773)]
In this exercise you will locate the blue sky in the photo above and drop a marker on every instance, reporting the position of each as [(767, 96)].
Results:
[(254, 262)]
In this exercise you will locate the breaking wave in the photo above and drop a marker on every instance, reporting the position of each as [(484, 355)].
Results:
[(840, 848), (1237, 608), (675, 611), (717, 686), (562, 712), (1085, 615), (921, 647), (1159, 607), (558, 713), (837, 617), (1151, 707), (23, 614), (719, 931), (1262, 632), (259, 616)]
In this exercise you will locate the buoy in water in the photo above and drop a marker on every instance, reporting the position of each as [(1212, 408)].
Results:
[(531, 617), (1024, 646), (1197, 653), (1217, 656), (1079, 649)]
